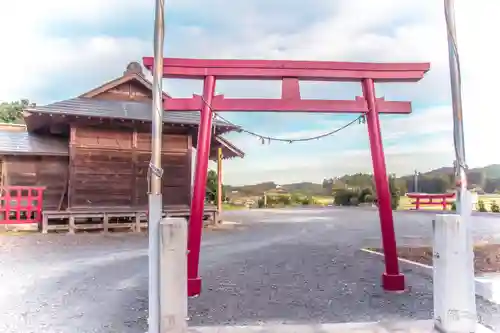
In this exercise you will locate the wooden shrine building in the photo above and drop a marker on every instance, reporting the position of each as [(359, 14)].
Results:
[(92, 152)]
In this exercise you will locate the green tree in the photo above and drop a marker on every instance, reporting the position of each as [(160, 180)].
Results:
[(364, 193), (368, 198), (343, 197), (13, 112), (211, 189), (295, 198), (395, 192), (327, 186), (481, 206), (307, 201), (495, 208)]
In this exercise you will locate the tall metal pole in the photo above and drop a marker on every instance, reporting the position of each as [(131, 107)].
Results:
[(415, 182), (219, 182), (456, 95), (156, 172), (463, 302)]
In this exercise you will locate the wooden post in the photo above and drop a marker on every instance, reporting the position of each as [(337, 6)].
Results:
[(71, 226), (45, 224), (137, 222), (105, 222), (219, 184)]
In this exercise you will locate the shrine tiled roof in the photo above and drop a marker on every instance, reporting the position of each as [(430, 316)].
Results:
[(127, 110), (25, 143)]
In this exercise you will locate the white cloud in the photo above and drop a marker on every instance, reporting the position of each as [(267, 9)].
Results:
[(360, 30), (32, 56), (407, 147)]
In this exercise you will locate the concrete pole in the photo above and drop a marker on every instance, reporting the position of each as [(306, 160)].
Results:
[(174, 296), (156, 173), (454, 303)]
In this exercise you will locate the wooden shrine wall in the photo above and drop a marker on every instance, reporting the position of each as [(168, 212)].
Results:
[(108, 168), (48, 171), (127, 91)]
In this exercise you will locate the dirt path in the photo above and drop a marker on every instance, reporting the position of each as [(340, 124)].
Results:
[(295, 266)]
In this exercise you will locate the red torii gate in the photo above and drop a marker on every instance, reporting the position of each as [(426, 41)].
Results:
[(290, 72)]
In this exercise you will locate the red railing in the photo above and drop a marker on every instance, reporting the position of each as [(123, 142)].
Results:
[(21, 204), (431, 199)]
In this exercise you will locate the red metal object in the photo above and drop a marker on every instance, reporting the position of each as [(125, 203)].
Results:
[(278, 69), (285, 104), (21, 204), (431, 199), (290, 72), (200, 181), (392, 279)]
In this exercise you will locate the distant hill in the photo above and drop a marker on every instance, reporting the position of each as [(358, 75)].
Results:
[(490, 171), (306, 188), (487, 177)]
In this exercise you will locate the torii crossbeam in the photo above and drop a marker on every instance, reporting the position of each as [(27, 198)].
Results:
[(290, 73)]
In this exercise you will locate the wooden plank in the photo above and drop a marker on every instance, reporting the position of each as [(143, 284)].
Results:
[(120, 214), (93, 137), (170, 142), (58, 227), (87, 226), (102, 177), (121, 225), (76, 219)]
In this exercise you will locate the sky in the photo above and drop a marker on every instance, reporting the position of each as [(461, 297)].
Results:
[(59, 49)]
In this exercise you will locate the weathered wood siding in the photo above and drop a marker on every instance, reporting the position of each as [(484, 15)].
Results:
[(109, 168), (48, 171), (131, 90)]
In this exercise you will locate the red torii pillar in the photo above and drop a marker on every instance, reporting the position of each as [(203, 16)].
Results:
[(290, 72)]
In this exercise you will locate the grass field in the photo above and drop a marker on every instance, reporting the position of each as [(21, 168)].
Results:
[(228, 206), (323, 200), (405, 202)]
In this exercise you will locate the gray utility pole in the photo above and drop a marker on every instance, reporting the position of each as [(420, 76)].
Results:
[(456, 95), (455, 230), (415, 182), (156, 172)]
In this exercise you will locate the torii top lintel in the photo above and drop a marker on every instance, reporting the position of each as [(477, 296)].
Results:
[(290, 72)]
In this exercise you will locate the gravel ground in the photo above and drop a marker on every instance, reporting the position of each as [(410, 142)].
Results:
[(294, 266)]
